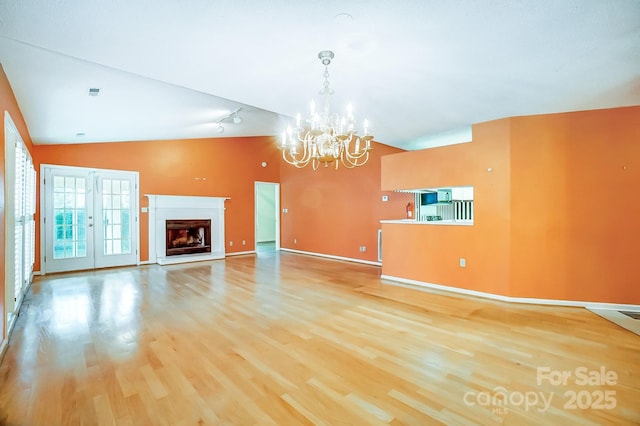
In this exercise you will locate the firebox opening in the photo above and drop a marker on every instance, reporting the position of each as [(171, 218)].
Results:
[(188, 236)]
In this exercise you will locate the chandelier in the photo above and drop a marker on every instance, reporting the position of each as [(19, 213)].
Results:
[(326, 137)]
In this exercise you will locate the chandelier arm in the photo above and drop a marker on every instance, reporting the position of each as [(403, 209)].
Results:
[(297, 161), (348, 163), (357, 156), (351, 165), (354, 160), (293, 162)]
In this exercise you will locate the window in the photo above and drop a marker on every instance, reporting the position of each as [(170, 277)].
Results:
[(20, 224)]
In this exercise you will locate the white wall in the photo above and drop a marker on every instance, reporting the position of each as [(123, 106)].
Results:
[(266, 212)]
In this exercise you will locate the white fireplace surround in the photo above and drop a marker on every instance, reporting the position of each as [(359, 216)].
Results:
[(176, 207)]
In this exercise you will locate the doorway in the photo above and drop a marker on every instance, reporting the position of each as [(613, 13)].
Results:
[(267, 216), (90, 218)]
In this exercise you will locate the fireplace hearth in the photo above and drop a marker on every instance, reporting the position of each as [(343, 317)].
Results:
[(188, 236)]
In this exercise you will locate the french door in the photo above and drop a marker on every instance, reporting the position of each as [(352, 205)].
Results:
[(90, 218)]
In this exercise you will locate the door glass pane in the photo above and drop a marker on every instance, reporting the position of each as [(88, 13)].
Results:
[(58, 183), (69, 201), (69, 217), (115, 205), (69, 184), (58, 200)]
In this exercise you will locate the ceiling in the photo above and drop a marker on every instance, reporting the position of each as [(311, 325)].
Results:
[(421, 71)]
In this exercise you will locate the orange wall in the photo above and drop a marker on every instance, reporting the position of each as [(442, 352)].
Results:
[(7, 103), (431, 253), (556, 218), (575, 206), (176, 167), (335, 212)]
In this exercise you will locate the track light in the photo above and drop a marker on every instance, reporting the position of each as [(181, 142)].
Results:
[(232, 116)]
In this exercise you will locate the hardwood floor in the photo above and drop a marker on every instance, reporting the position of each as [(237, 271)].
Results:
[(282, 338)]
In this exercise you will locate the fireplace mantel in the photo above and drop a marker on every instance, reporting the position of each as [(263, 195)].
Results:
[(175, 207)]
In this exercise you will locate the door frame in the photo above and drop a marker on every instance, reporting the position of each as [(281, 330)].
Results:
[(276, 189), (43, 209)]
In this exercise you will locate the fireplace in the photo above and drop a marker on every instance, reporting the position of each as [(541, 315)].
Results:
[(189, 226), (188, 236)]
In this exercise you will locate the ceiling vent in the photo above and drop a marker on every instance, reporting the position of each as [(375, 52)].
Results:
[(94, 91)]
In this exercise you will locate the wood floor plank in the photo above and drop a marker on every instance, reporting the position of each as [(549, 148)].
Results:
[(282, 338)]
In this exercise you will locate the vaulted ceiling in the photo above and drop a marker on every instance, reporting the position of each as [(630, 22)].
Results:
[(421, 71)]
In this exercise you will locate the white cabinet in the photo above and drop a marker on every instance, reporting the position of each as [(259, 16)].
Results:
[(463, 193)]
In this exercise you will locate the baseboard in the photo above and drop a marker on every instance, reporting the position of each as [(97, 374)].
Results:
[(330, 256), (240, 253), (11, 323), (526, 300), (3, 348)]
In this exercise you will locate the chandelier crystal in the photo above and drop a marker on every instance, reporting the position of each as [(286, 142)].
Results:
[(326, 137)]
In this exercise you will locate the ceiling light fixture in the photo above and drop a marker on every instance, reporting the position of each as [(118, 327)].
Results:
[(236, 120), (326, 137)]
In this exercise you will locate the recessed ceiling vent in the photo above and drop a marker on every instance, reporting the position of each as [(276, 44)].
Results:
[(94, 91)]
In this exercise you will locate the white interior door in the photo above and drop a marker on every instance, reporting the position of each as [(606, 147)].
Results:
[(90, 218)]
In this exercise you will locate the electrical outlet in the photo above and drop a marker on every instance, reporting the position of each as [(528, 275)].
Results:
[(463, 262), (230, 243), (244, 243), (295, 241)]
